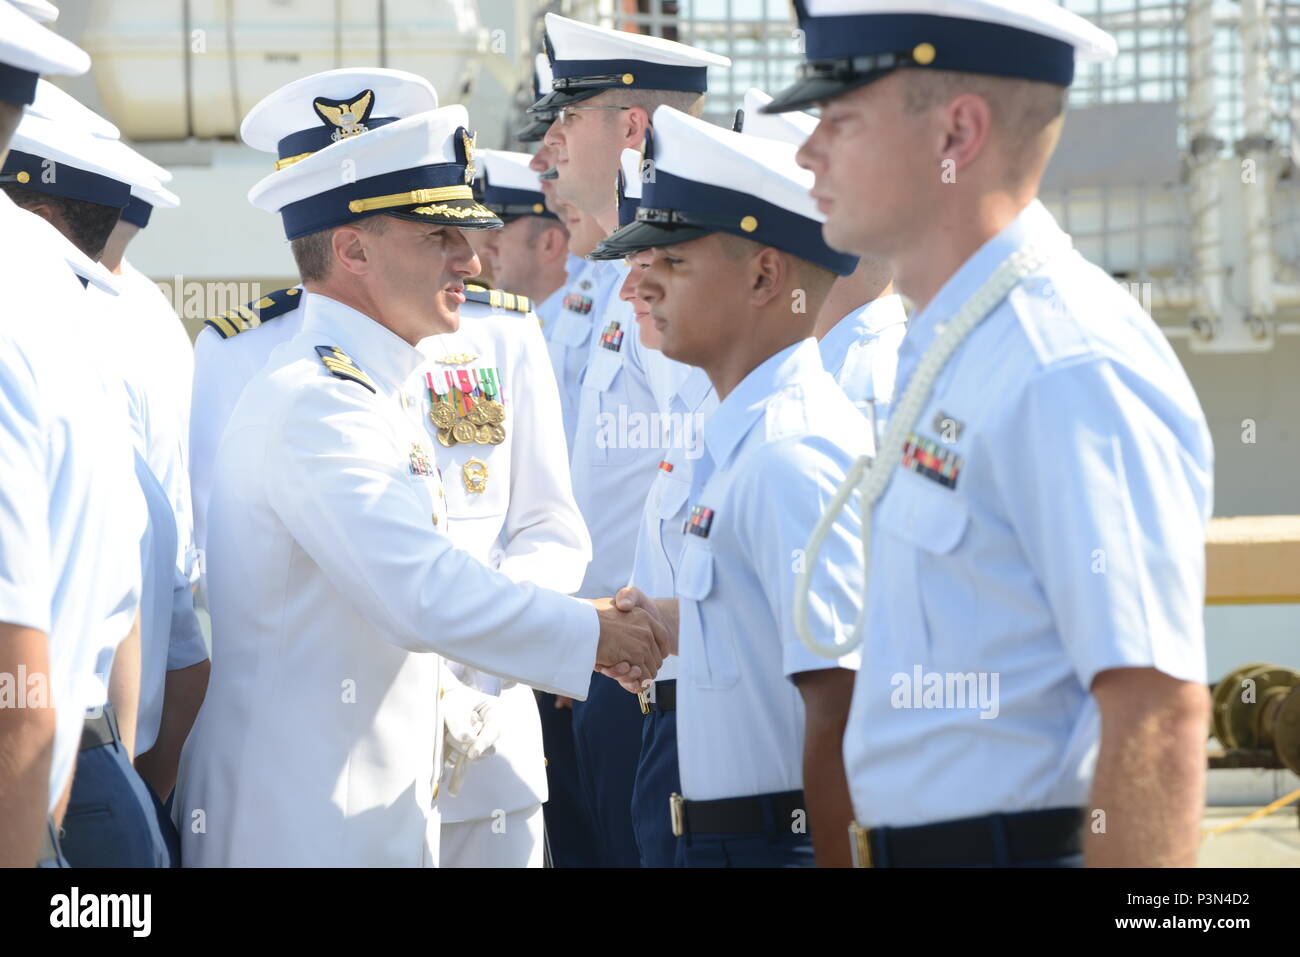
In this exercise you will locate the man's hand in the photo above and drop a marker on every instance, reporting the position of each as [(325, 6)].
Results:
[(632, 645), (664, 609)]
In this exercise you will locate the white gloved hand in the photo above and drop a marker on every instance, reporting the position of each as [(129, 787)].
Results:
[(470, 729)]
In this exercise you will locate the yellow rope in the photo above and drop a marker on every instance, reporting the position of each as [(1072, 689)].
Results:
[(1254, 815)]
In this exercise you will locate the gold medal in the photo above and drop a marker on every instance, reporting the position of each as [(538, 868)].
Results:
[(493, 411), (483, 435), (445, 438), (496, 434), (478, 415), (442, 415), (463, 431)]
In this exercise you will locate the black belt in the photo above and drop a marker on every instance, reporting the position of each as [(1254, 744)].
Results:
[(665, 697), (97, 732), (747, 815), (992, 840)]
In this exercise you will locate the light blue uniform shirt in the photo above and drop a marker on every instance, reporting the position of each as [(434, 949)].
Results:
[(1058, 533), (170, 637), (619, 438), (71, 513), (776, 450), (567, 331), (660, 539), (861, 353)]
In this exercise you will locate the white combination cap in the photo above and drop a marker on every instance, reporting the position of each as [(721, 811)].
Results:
[(27, 50), (418, 168), (309, 114)]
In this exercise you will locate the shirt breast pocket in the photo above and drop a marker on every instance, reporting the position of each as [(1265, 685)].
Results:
[(668, 497), (710, 660), (571, 331), (477, 482), (605, 383), (927, 579)]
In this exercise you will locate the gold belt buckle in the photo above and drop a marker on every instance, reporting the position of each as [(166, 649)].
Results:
[(644, 698), (860, 844), (677, 808)]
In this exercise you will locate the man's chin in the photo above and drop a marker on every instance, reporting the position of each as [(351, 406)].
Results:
[(446, 319), (846, 235)]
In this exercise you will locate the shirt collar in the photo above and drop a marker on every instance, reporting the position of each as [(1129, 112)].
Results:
[(386, 357), (692, 389), (865, 322), (736, 415), (1034, 223)]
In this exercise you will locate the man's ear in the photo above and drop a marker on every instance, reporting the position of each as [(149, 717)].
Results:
[(966, 123), (636, 122), (349, 247), (555, 245), (768, 271)]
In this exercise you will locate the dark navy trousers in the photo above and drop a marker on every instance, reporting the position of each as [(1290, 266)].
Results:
[(657, 778), (111, 821), (607, 733)]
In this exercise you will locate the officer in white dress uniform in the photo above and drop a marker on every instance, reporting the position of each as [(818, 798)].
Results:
[(320, 736), (604, 84), (726, 262), (72, 514), (1033, 627), (232, 347)]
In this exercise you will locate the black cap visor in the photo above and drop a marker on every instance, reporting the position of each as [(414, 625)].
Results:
[(639, 236), (557, 98), (809, 91), (536, 128)]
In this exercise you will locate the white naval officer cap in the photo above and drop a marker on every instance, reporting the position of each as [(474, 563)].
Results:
[(538, 122), (418, 168), (45, 124), (54, 104), (509, 188), (317, 111), (27, 50), (587, 60), (850, 43), (767, 196), (791, 127), (61, 159), (147, 192)]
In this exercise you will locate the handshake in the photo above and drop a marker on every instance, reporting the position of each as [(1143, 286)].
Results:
[(636, 634)]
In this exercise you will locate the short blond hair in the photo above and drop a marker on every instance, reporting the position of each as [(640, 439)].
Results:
[(1027, 114), (650, 100)]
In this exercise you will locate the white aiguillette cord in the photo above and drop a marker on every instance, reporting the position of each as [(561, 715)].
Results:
[(873, 481)]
